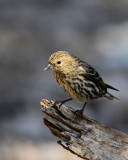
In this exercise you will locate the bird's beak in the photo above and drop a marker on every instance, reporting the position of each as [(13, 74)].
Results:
[(49, 66)]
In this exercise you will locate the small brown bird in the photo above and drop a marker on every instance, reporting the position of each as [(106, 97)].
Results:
[(78, 79)]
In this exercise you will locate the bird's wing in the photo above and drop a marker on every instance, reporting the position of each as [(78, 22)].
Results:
[(91, 74)]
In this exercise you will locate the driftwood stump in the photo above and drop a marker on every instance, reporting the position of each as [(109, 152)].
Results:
[(83, 136)]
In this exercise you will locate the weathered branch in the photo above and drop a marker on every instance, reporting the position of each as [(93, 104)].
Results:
[(83, 136)]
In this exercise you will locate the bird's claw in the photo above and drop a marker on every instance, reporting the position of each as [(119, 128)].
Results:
[(79, 114), (59, 103)]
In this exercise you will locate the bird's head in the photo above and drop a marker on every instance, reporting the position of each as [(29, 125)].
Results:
[(61, 61)]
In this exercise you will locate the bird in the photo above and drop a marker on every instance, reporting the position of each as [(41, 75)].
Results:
[(78, 79)]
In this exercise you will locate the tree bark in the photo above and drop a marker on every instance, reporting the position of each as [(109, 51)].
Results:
[(83, 136)]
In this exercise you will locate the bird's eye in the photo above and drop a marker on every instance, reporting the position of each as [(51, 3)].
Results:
[(58, 62)]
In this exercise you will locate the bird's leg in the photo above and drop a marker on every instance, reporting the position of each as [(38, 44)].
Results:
[(62, 102), (80, 112)]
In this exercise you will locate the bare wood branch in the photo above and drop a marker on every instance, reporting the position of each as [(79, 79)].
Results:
[(83, 136)]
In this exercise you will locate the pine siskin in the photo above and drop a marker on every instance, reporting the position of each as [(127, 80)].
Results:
[(78, 79)]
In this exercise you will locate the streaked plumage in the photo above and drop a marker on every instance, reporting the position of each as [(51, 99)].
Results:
[(78, 79)]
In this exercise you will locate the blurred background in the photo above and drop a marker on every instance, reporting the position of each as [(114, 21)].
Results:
[(30, 31)]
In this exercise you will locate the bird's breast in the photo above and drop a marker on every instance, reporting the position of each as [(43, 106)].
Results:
[(71, 86), (60, 78)]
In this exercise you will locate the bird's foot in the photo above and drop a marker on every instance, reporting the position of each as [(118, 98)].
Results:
[(59, 103), (79, 113)]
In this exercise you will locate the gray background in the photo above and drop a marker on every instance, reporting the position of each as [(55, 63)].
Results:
[(30, 31)]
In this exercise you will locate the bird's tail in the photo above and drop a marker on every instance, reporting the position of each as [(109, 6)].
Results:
[(110, 87), (110, 96)]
